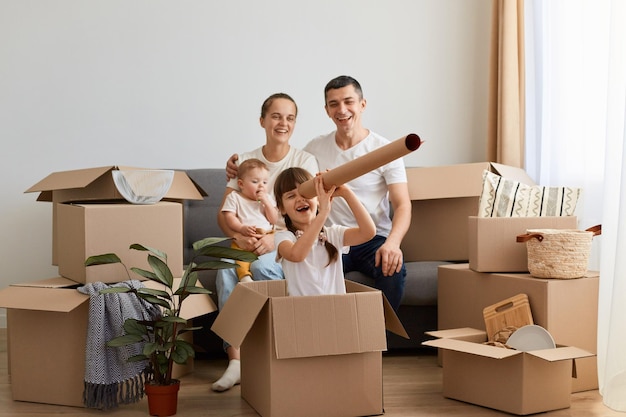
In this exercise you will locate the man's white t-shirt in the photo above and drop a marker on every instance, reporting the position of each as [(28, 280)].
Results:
[(313, 276), (371, 188)]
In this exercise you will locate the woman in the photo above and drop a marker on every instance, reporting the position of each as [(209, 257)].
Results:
[(278, 118)]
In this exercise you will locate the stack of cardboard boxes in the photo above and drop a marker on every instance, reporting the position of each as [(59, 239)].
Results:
[(47, 319), (492, 267)]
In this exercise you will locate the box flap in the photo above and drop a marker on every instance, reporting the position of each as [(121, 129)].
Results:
[(392, 322), (561, 353), (182, 188), (56, 282), (462, 333), (63, 180), (558, 354), (195, 305), (473, 348), (324, 325), (41, 299), (513, 173), (239, 313)]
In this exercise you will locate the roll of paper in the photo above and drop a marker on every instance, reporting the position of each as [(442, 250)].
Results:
[(364, 164)]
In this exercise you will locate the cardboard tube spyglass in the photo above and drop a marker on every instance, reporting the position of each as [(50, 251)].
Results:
[(363, 164)]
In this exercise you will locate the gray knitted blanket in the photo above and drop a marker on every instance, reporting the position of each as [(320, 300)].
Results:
[(109, 379)]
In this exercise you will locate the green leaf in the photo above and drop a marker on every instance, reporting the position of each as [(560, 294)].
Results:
[(210, 265), (192, 290), (161, 270), (137, 358), (228, 253), (127, 339), (174, 319), (149, 348), (133, 327), (155, 300), (208, 241), (154, 292), (154, 251), (190, 277), (146, 274), (180, 356), (107, 258), (184, 346)]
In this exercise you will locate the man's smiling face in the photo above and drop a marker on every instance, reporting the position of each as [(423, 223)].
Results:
[(344, 106)]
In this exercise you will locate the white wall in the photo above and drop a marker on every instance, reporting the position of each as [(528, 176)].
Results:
[(158, 83)]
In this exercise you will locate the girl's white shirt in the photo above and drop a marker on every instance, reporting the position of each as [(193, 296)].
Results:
[(314, 276)]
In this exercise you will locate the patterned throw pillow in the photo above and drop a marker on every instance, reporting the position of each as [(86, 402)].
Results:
[(502, 197)]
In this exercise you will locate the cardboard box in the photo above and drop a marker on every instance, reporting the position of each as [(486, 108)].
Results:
[(505, 379), (492, 240), (47, 328), (304, 356), (567, 308), (97, 228), (96, 184), (442, 199)]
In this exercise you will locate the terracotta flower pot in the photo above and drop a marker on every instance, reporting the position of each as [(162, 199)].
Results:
[(162, 399)]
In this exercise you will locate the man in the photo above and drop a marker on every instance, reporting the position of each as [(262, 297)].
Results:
[(381, 257)]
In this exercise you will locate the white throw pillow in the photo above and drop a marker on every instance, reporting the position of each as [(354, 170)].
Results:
[(502, 197)]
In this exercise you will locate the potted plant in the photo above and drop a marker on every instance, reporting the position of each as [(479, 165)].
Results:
[(161, 336)]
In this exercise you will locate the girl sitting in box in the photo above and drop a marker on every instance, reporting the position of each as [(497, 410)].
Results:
[(307, 250)]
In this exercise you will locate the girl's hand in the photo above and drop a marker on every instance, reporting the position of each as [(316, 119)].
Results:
[(343, 191), (324, 197)]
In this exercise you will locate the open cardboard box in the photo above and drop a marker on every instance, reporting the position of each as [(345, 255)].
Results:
[(443, 197), (567, 308), (47, 329), (492, 240), (315, 355), (96, 184), (505, 379)]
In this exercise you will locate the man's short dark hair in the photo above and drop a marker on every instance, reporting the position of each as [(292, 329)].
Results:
[(343, 81)]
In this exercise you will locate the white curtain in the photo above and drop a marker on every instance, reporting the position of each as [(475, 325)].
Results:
[(575, 134)]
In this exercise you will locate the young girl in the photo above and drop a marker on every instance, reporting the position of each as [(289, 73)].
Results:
[(308, 250)]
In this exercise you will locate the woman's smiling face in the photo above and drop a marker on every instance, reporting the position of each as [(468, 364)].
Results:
[(279, 120)]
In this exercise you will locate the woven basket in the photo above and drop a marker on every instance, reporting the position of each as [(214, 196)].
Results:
[(558, 253)]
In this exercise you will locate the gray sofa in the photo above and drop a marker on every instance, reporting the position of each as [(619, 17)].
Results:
[(418, 309)]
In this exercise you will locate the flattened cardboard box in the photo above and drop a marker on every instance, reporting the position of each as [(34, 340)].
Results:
[(92, 229), (96, 184), (442, 199), (492, 240), (567, 308), (506, 379), (304, 356), (47, 329)]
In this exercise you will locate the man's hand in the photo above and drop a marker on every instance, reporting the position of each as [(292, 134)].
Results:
[(231, 167), (390, 257)]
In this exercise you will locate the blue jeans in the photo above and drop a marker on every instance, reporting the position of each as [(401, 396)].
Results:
[(363, 257), (264, 268)]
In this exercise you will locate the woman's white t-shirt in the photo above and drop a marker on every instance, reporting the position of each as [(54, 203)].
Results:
[(314, 276)]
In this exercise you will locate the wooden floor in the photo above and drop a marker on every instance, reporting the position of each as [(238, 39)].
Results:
[(412, 388)]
